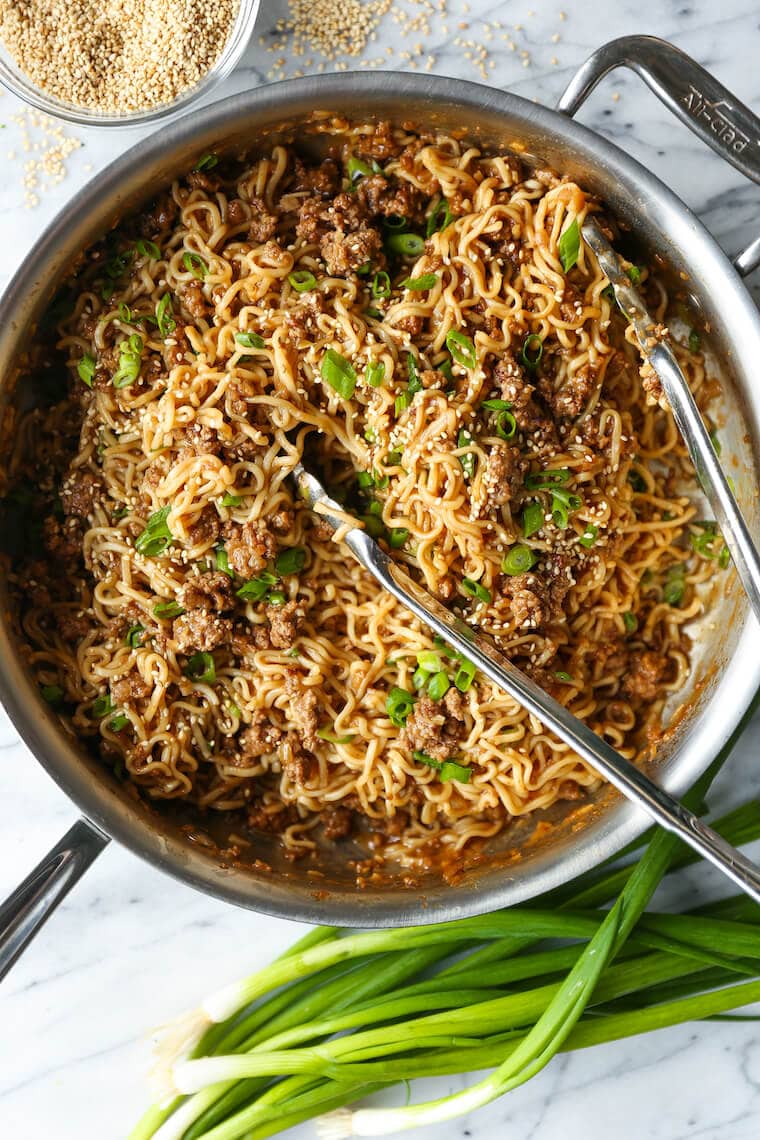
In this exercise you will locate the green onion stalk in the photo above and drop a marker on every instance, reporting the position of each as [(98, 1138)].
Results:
[(262, 1055)]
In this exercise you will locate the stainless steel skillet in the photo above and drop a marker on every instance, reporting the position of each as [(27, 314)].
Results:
[(727, 665)]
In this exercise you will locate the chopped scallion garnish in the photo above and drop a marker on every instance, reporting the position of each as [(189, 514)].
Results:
[(440, 217), (134, 636), (250, 339), (631, 622), (465, 675), (102, 705), (119, 722), (407, 245), (330, 736), (168, 609), (419, 284), (438, 686), (570, 246), (207, 161), (156, 537), (130, 358), (547, 480), (381, 285), (588, 538), (338, 373), (201, 667), (357, 169), (230, 500), (397, 537), (86, 369), (675, 585), (518, 561), (302, 280), (290, 561), (474, 589), (464, 439), (461, 348), (532, 519), (222, 561), (375, 373), (53, 694), (194, 264), (256, 588), (148, 249), (165, 316), (399, 703), (531, 352)]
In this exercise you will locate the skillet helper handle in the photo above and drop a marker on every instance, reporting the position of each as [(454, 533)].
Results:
[(28, 908), (698, 99)]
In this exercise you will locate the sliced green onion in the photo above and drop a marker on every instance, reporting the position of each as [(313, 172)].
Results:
[(364, 270), (207, 162), (357, 169), (373, 525), (467, 461), (675, 585), (375, 373), (194, 264), (724, 558), (398, 704), (715, 441), (222, 561), (395, 223), (588, 538), (401, 402), (125, 313), (276, 598), (439, 218), (506, 425), (634, 274), (365, 479), (407, 245), (631, 622), (531, 352), (329, 735), (201, 667), (370, 435), (420, 678), (250, 339), (694, 341), (168, 609), (53, 694), (256, 588), (398, 537), (381, 481), (532, 519), (570, 246), (465, 675), (563, 503), (474, 589), (543, 480), (230, 500), (418, 284), (129, 361), (561, 675), (637, 481), (234, 709), (393, 458), (450, 770), (381, 285), (117, 723), (518, 561), (413, 373), (102, 705), (290, 561), (438, 686), (428, 659), (165, 316), (461, 348), (302, 280), (375, 314), (148, 249), (134, 636), (156, 537), (118, 263), (86, 369), (446, 370), (338, 373)]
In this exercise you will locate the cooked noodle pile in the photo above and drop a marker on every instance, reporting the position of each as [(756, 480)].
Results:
[(214, 638)]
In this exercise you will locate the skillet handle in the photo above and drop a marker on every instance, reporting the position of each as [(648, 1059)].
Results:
[(26, 910), (696, 97)]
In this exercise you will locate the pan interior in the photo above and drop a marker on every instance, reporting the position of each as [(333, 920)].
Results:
[(524, 859)]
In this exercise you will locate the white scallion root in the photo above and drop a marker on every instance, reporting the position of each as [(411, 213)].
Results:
[(171, 1042), (335, 1125)]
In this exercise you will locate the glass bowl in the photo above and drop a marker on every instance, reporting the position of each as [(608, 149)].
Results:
[(14, 79)]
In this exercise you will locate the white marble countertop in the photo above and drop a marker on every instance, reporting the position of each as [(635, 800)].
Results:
[(131, 947)]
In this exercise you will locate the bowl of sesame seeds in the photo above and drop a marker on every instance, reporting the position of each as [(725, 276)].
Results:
[(122, 65)]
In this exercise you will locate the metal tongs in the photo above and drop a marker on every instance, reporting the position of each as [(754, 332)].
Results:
[(660, 356), (480, 649)]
